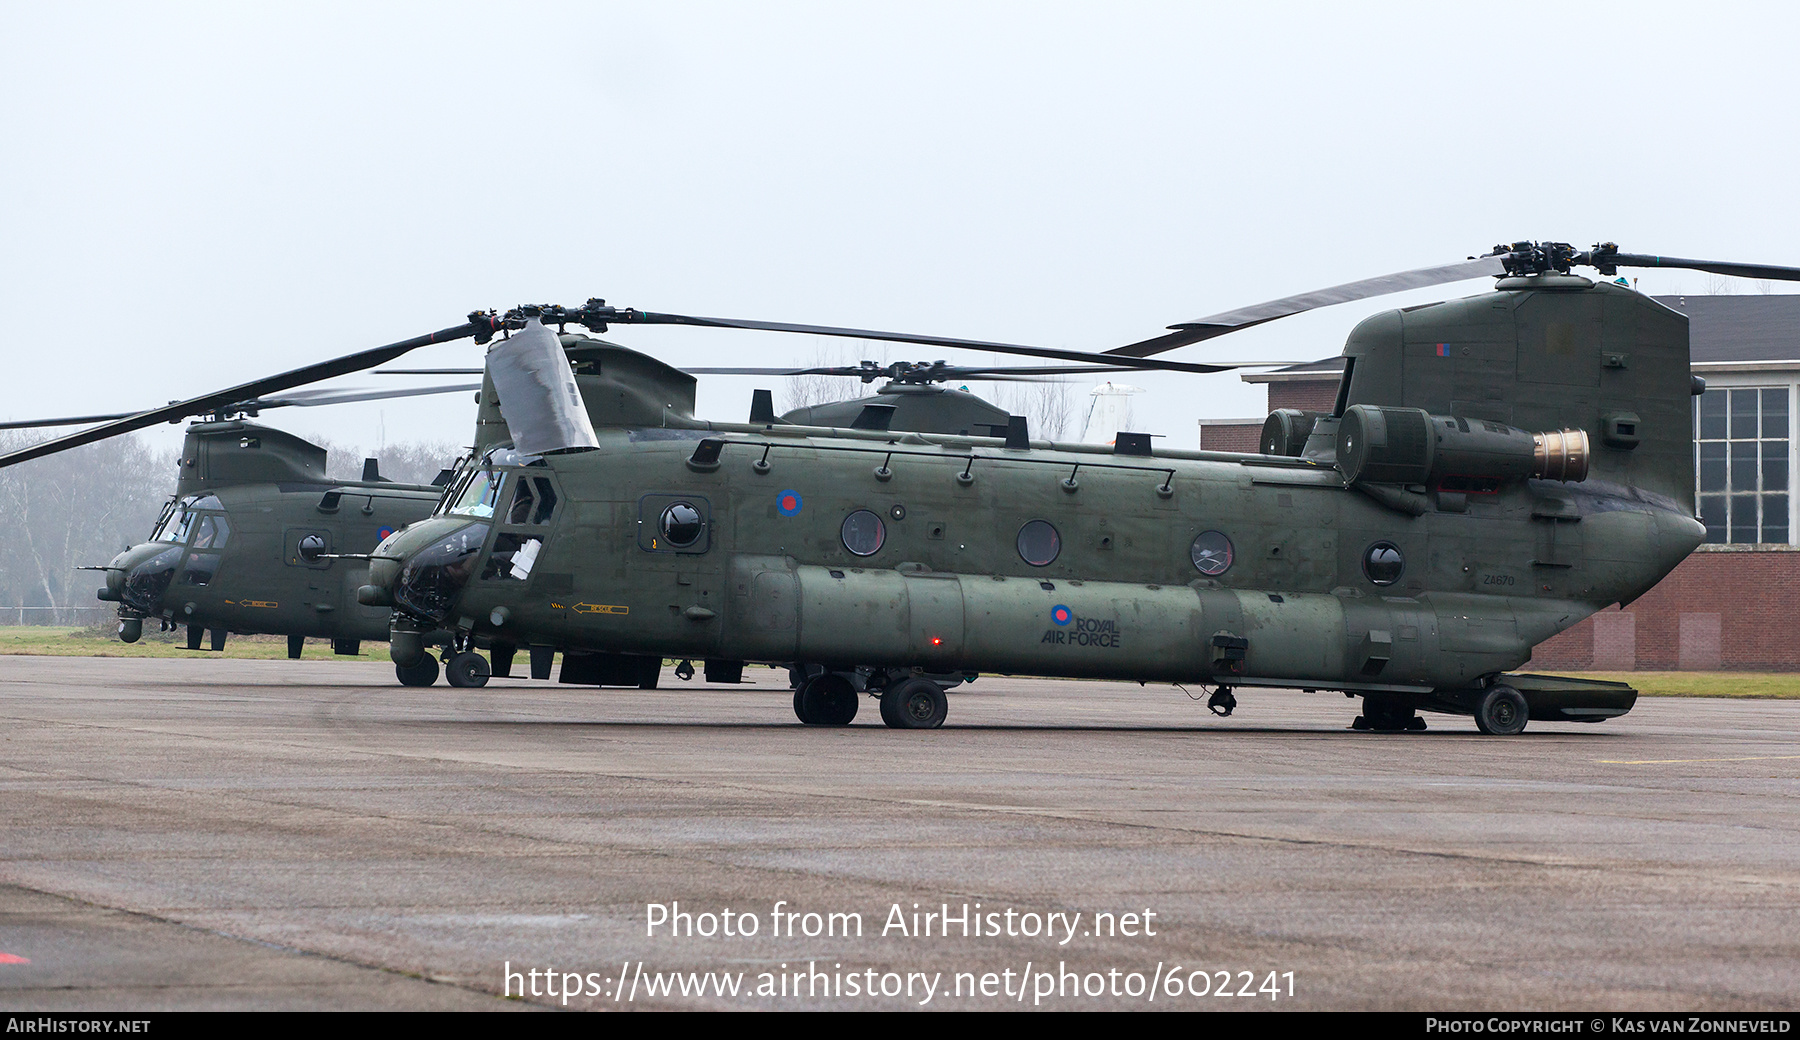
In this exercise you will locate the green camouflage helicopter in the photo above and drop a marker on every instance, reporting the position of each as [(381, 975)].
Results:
[(1495, 469), (250, 540), (257, 539)]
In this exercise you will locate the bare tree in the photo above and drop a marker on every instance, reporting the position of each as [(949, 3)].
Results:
[(74, 509), (806, 391), (1048, 405)]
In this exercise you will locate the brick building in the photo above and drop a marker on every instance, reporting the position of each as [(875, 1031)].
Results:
[(1729, 605)]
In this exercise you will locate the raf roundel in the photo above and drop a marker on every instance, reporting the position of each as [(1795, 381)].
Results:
[(788, 502), (1061, 614), (383, 532)]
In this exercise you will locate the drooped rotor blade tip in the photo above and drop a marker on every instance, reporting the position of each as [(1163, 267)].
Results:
[(1214, 325)]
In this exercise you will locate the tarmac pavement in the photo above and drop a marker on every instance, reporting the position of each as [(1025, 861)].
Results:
[(207, 833)]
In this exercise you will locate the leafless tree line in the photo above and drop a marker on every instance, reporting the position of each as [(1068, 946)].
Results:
[(1050, 404)]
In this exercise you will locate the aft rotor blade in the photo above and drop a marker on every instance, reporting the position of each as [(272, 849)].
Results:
[(1783, 274), (1245, 317), (651, 318), (357, 362)]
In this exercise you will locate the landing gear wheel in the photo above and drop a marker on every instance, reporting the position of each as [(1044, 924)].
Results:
[(422, 674), (914, 704), (467, 669), (825, 700), (1502, 711)]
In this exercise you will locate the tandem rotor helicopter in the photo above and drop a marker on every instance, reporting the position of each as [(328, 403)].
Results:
[(1495, 469), (258, 540)]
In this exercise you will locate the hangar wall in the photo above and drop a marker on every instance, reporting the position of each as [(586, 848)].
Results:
[(1726, 607)]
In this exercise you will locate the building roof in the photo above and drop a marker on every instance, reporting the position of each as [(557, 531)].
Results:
[(1740, 328)]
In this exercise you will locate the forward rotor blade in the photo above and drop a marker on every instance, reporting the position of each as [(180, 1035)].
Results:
[(315, 398), (356, 362), (299, 398), (70, 420), (1256, 314), (651, 318)]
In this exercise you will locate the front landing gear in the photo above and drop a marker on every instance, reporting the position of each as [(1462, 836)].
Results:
[(422, 673), (466, 669), (826, 699)]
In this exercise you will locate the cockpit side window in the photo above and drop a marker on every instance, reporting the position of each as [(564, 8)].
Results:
[(212, 532), (533, 502)]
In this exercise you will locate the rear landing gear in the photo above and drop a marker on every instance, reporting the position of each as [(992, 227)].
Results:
[(423, 673), (1221, 703), (914, 704), (1501, 711)]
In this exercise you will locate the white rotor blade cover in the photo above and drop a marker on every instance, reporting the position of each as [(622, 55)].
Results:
[(538, 397)]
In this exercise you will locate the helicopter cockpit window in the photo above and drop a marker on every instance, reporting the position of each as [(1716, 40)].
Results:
[(184, 523), (165, 526), (509, 457), (513, 557), (212, 533), (206, 502), (1039, 543), (200, 568), (533, 502), (480, 494)]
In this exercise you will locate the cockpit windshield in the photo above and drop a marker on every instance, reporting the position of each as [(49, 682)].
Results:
[(182, 516), (480, 488), (480, 493)]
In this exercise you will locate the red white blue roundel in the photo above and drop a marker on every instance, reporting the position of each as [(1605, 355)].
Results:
[(1061, 615), (788, 503)]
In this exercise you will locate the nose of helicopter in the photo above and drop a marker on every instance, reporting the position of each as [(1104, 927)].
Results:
[(140, 575), (421, 570)]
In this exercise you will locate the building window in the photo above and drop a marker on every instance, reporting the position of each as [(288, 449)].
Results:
[(1742, 447)]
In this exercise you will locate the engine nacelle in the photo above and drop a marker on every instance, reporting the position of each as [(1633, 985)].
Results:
[(1285, 431), (1411, 446)]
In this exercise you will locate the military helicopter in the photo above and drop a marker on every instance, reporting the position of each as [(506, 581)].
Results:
[(257, 539), (1495, 469), (250, 539)]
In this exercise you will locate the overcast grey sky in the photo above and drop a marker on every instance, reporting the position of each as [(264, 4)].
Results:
[(196, 194)]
